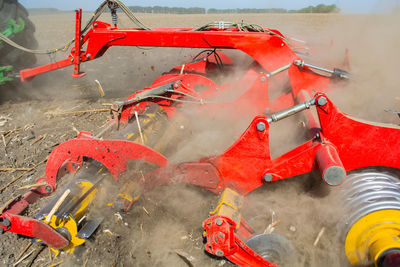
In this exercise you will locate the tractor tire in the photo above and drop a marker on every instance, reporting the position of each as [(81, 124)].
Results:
[(11, 9), (274, 248)]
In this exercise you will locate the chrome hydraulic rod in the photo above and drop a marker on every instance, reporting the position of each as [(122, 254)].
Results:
[(279, 70), (290, 111), (335, 72)]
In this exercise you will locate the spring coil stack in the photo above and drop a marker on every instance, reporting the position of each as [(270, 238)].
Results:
[(371, 226)]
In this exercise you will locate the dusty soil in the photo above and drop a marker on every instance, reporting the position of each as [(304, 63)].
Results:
[(35, 119)]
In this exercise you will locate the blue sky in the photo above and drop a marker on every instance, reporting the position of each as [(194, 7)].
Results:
[(347, 6)]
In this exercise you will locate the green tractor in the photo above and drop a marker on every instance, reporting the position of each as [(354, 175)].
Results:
[(15, 25)]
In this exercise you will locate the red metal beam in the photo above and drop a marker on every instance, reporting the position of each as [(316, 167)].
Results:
[(268, 50), (29, 74)]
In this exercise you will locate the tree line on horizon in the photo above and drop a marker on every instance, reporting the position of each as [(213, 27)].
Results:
[(321, 8), (199, 10)]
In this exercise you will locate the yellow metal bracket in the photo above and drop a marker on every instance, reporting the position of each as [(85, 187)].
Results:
[(229, 206)]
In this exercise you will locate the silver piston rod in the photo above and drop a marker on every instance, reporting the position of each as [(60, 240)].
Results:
[(290, 111), (335, 72)]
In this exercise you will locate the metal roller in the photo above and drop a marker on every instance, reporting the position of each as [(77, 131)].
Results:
[(372, 224), (67, 212), (275, 248)]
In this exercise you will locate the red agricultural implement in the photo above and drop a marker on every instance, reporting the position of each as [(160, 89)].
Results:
[(339, 144)]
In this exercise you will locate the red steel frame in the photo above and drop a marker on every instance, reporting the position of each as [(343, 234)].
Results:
[(271, 52), (242, 168), (245, 166), (268, 50)]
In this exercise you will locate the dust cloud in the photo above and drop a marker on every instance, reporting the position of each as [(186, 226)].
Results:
[(305, 202), (303, 205)]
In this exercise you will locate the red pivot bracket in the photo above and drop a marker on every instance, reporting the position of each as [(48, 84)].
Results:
[(222, 241)]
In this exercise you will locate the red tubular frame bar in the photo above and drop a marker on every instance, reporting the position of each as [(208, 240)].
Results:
[(270, 51)]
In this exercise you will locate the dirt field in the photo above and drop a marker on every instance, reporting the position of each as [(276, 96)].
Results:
[(34, 119)]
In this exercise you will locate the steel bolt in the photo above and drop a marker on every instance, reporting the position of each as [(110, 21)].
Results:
[(263, 79), (95, 25), (88, 56), (268, 177), (218, 221), (48, 188), (322, 101), (219, 253), (6, 222), (176, 85), (260, 126)]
